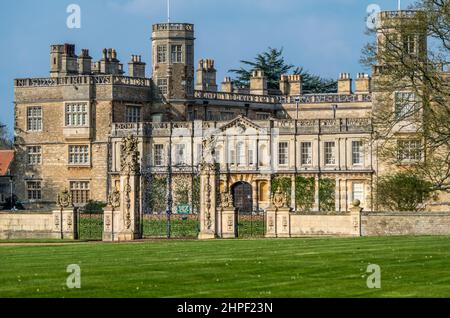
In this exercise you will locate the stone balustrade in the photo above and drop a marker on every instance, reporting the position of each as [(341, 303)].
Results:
[(278, 99), (83, 80), (318, 126)]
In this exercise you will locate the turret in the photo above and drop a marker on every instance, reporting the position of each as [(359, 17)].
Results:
[(173, 59)]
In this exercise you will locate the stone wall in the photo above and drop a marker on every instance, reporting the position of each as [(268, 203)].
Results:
[(405, 223), (43, 225), (335, 225)]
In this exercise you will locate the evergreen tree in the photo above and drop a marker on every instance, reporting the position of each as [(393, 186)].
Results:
[(274, 65)]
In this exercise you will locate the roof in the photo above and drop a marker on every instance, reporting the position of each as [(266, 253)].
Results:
[(6, 157)]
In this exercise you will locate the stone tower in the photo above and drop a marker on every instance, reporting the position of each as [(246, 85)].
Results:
[(173, 60), (405, 30)]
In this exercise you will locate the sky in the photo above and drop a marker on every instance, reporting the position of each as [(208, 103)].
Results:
[(323, 36)]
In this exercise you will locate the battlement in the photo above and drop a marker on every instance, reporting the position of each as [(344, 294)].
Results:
[(173, 27)]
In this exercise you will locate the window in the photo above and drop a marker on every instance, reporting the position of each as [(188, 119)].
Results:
[(180, 154), (34, 154), (283, 153), (158, 155), (232, 157), (177, 54), (240, 149), (80, 192), (217, 155), (329, 153), (133, 114), (34, 119), (250, 157), (162, 85), (409, 150), (306, 153), (77, 114), (34, 190), (189, 55), (79, 155), (358, 192), (357, 153), (161, 54), (262, 116), (405, 104), (410, 44)]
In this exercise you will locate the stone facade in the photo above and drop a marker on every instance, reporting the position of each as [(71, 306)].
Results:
[(69, 128)]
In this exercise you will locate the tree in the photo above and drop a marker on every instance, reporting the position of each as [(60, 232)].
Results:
[(402, 192), (273, 64), (411, 87), (5, 139)]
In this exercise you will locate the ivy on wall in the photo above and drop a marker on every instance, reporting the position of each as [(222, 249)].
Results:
[(283, 183), (327, 195), (304, 193), (157, 195)]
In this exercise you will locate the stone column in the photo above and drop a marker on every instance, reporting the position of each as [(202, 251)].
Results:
[(65, 219), (111, 217), (208, 206), (355, 213), (128, 217), (278, 218)]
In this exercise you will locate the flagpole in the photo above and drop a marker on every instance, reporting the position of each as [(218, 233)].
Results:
[(168, 11), (399, 5)]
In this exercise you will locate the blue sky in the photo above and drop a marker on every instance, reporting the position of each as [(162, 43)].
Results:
[(324, 36)]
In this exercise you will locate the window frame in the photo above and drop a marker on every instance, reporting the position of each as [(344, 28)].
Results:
[(79, 154), (302, 153), (72, 118), (284, 154), (34, 154), (35, 122), (36, 192), (329, 155), (84, 192)]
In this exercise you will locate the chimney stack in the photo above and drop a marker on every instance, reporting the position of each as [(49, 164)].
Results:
[(345, 83), (363, 83), (258, 83), (136, 68)]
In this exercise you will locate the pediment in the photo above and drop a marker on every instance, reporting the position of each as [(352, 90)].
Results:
[(242, 123)]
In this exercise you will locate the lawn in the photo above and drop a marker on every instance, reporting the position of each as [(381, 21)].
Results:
[(319, 267)]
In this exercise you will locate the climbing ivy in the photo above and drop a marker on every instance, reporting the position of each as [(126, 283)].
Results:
[(327, 195), (304, 193), (157, 194), (283, 183)]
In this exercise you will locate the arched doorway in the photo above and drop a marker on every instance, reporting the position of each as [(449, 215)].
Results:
[(243, 197)]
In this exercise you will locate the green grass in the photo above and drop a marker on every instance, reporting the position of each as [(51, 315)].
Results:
[(323, 267)]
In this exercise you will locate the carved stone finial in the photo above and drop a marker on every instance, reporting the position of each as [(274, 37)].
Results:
[(114, 199), (64, 199), (356, 203), (279, 199), (226, 200), (130, 155), (209, 151)]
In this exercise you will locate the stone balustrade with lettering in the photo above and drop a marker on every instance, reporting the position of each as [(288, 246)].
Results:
[(278, 99), (319, 126), (83, 80)]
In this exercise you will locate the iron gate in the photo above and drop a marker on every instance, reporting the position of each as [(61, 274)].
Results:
[(250, 225), (178, 226), (89, 224)]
